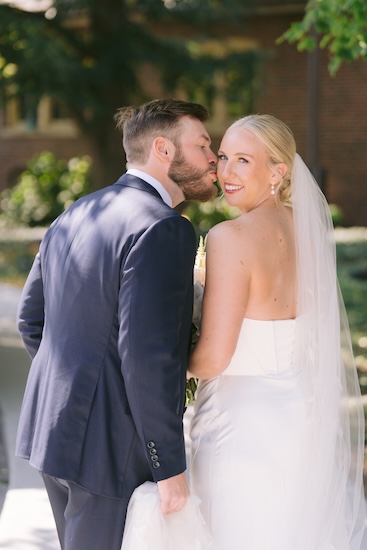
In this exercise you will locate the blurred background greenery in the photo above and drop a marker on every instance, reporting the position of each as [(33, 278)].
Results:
[(44, 190)]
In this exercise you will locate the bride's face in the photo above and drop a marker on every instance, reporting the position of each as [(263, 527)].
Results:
[(243, 169)]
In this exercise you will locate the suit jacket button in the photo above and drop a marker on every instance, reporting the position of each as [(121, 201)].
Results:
[(154, 458), (151, 444), (153, 451), (156, 464)]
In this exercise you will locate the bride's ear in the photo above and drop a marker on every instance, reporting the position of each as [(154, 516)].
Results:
[(279, 171)]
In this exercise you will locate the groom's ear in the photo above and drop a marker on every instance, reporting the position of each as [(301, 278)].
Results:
[(163, 149)]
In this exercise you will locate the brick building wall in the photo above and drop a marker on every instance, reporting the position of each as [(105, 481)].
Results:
[(341, 106), (343, 143)]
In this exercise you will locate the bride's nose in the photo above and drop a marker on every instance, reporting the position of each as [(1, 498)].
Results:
[(226, 168)]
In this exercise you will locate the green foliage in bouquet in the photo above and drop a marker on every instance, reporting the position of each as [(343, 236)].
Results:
[(199, 282), (191, 386), (45, 189)]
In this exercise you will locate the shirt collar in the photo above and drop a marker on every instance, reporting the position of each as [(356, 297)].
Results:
[(153, 182)]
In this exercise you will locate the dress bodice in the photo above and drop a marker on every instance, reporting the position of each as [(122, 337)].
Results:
[(264, 348), (248, 438)]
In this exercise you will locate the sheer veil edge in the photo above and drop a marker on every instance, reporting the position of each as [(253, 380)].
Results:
[(333, 498)]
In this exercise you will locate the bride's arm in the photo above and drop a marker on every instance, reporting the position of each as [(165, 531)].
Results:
[(225, 299)]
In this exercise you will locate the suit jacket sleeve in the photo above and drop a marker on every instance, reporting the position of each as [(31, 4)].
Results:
[(155, 318), (30, 316)]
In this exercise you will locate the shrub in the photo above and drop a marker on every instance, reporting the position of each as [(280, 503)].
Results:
[(204, 215), (336, 214), (45, 189)]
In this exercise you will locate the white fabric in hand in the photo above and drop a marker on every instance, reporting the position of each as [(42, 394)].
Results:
[(147, 526)]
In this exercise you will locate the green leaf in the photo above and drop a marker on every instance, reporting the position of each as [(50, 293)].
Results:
[(341, 28)]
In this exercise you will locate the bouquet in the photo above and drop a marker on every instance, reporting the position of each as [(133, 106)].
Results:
[(199, 281), (199, 266)]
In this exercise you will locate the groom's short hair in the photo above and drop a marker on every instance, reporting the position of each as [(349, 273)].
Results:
[(141, 125)]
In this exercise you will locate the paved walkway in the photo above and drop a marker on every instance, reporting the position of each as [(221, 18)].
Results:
[(26, 521)]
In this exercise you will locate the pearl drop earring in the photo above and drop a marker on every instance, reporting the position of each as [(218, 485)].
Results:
[(272, 189)]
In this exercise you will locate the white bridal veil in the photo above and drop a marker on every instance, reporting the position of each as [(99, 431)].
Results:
[(333, 491)]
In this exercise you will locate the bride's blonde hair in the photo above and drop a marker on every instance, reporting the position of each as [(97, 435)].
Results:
[(279, 140)]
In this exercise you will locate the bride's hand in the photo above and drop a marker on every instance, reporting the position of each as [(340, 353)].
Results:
[(173, 492)]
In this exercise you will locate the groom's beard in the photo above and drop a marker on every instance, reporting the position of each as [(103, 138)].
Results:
[(192, 181)]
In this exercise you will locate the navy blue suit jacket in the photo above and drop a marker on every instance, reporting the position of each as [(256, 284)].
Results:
[(105, 315)]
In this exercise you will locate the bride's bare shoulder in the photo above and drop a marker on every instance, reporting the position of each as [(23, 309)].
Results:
[(237, 231), (231, 243)]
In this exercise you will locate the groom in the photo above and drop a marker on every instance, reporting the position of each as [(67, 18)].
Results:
[(105, 315)]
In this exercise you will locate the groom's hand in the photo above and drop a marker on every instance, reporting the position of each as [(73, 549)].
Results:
[(174, 492)]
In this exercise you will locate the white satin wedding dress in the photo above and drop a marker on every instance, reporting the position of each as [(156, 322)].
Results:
[(247, 436)]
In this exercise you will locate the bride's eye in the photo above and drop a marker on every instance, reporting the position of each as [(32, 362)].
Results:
[(222, 157), (243, 160)]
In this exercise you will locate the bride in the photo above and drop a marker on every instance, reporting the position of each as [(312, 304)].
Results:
[(278, 434)]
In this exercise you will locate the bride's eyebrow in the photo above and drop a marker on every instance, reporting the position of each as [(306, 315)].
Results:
[(220, 152)]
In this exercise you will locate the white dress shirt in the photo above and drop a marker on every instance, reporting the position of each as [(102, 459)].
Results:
[(153, 182)]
